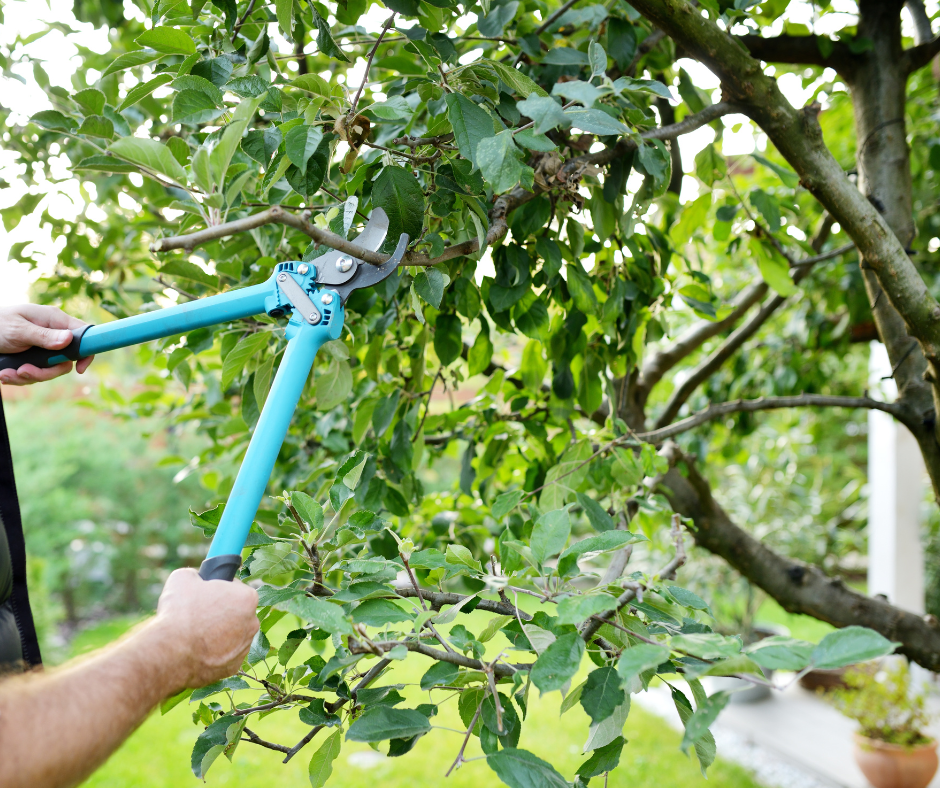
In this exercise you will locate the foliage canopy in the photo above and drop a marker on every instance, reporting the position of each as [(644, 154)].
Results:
[(530, 153)]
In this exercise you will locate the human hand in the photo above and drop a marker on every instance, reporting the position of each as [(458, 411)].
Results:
[(211, 623), (31, 325)]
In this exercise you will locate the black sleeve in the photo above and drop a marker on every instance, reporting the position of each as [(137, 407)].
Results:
[(16, 620)]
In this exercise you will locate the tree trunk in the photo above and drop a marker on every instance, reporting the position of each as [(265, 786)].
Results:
[(879, 94)]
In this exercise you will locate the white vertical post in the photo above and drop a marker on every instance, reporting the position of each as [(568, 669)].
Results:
[(895, 491)]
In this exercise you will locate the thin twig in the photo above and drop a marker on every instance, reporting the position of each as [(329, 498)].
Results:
[(720, 409), (365, 75), (254, 738)]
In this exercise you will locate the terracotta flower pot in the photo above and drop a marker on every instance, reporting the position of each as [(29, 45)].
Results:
[(893, 766)]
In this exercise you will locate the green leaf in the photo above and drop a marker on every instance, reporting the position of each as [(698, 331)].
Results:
[(563, 479), (521, 769), (790, 179), (558, 663), (167, 40), (334, 386), (143, 90), (248, 87), (850, 645), (576, 609), (284, 10), (193, 107), (550, 534), (597, 58), (315, 713), (595, 121), (237, 357), (565, 56), (687, 598), (545, 112), (439, 674), (581, 289), (90, 100), (534, 365), (325, 42), (773, 267), (261, 144), (321, 764), (105, 164), (385, 722), (706, 645), (471, 124), (602, 543), (515, 79), (188, 270), (781, 653), (152, 154), (601, 694), (505, 503), (301, 143), (271, 560), (310, 511), (710, 165), (639, 658), (603, 759), (96, 126), (429, 284), (220, 737), (596, 514), (583, 92), (698, 724), (602, 733), (481, 352), (399, 194), (458, 555), (130, 59), (395, 108), (621, 41), (447, 341), (324, 615), (379, 613), (528, 139), (54, 121), (498, 160)]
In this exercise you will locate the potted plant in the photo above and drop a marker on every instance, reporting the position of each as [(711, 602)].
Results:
[(891, 747)]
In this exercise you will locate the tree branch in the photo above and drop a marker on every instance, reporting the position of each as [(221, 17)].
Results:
[(800, 50), (798, 137), (254, 738), (919, 56), (798, 587), (500, 669), (437, 600), (365, 75), (696, 335), (720, 409), (505, 204)]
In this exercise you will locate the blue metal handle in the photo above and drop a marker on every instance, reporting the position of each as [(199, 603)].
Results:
[(225, 552)]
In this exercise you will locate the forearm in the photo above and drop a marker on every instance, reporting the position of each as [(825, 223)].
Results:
[(57, 727)]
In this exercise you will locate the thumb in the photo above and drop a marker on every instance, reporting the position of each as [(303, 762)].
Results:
[(49, 338)]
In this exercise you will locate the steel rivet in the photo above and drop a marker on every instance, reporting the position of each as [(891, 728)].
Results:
[(302, 269), (344, 264), (327, 298), (282, 277)]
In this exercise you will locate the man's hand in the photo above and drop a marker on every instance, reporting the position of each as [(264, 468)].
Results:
[(59, 725), (31, 325), (212, 622)]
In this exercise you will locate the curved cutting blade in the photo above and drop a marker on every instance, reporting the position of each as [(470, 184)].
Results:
[(372, 237)]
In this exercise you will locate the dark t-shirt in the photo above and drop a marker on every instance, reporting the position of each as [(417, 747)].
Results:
[(18, 644)]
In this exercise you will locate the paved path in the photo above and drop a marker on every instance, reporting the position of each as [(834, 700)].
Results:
[(791, 740)]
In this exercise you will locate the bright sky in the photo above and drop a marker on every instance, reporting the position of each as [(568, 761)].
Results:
[(63, 200)]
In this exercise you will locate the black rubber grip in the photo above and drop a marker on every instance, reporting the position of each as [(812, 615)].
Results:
[(40, 357), (220, 567)]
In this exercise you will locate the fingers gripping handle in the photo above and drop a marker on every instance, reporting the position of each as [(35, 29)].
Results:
[(43, 358), (220, 567)]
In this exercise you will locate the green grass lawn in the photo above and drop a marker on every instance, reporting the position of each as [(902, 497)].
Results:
[(158, 754)]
